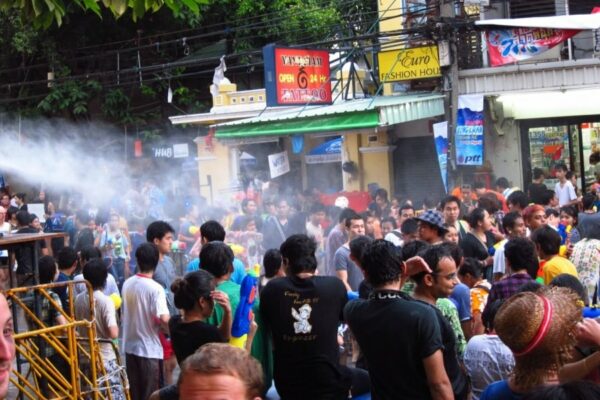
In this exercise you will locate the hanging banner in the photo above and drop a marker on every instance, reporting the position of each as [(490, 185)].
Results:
[(469, 130), (440, 134), (507, 46), (296, 76), (279, 164)]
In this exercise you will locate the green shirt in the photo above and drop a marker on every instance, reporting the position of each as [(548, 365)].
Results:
[(450, 312), (261, 345)]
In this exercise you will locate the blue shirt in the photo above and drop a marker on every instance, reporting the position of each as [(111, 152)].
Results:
[(62, 291), (238, 274), (461, 297), (499, 391)]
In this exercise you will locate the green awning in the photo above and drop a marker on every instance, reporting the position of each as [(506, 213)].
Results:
[(326, 123), (340, 117)]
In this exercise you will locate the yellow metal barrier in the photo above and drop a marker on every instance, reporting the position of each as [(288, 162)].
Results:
[(58, 361)]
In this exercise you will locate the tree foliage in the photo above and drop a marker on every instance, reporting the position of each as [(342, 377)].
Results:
[(44, 13)]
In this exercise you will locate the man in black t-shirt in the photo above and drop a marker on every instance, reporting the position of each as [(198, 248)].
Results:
[(302, 312), (537, 189), (400, 337), (431, 286)]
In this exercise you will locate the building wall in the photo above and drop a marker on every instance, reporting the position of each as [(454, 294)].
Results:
[(502, 149), (214, 161)]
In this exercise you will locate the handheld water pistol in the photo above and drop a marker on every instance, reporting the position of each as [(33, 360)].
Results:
[(178, 246), (243, 314), (194, 231), (563, 231)]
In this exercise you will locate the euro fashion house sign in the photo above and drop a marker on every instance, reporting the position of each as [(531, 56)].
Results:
[(296, 76), (408, 64)]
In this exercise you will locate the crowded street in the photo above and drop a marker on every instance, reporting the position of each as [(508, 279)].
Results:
[(299, 200)]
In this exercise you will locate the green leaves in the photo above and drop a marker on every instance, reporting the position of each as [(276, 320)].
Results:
[(44, 13), (70, 96)]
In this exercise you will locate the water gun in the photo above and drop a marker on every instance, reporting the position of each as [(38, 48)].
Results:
[(243, 314), (178, 246), (563, 231), (540, 273), (194, 231), (591, 311)]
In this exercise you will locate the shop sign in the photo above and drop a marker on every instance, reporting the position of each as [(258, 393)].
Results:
[(296, 76), (506, 46), (175, 151), (279, 164), (469, 130), (408, 64)]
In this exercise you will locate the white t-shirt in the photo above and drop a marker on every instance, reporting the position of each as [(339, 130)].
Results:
[(499, 259), (4, 228), (394, 238), (144, 301), (105, 314), (565, 194), (487, 360), (110, 288)]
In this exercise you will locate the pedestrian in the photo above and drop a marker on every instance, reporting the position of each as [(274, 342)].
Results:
[(470, 274), (87, 254), (541, 343), (537, 188), (487, 359), (431, 286), (218, 371), (114, 245), (106, 327), (391, 325), (514, 226), (7, 346), (67, 264), (273, 267), (547, 243), (302, 312), (196, 296), (212, 231), (345, 268), (145, 312), (161, 234), (521, 268), (276, 229), (336, 238), (565, 192), (431, 227), (24, 253), (451, 210), (478, 242)]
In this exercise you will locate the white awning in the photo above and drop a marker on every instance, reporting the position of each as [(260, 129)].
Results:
[(580, 21)]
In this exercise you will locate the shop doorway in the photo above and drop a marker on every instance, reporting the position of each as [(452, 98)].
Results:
[(548, 142)]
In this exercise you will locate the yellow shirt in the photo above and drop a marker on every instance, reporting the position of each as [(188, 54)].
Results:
[(558, 265)]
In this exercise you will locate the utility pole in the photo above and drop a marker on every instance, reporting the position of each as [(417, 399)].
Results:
[(450, 84)]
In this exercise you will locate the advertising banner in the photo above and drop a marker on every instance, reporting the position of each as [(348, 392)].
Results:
[(507, 46), (407, 64), (296, 76), (440, 134), (469, 130), (279, 164)]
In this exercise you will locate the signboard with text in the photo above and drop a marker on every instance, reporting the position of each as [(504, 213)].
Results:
[(296, 76), (408, 64), (468, 138), (279, 164)]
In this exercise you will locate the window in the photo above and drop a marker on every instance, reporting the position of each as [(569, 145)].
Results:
[(532, 8), (251, 99)]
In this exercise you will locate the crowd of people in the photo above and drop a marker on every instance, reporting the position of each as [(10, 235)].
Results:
[(481, 294)]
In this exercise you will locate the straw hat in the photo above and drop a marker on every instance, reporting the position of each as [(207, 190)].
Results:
[(539, 329)]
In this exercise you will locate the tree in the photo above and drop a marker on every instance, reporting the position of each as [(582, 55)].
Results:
[(43, 13)]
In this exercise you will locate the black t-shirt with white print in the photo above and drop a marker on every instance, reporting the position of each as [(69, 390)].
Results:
[(303, 316)]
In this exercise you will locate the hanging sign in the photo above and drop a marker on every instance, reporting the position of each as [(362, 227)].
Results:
[(404, 65), (296, 76), (440, 134), (279, 164), (469, 130), (506, 46)]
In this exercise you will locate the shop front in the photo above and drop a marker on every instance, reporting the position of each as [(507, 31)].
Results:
[(571, 140)]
